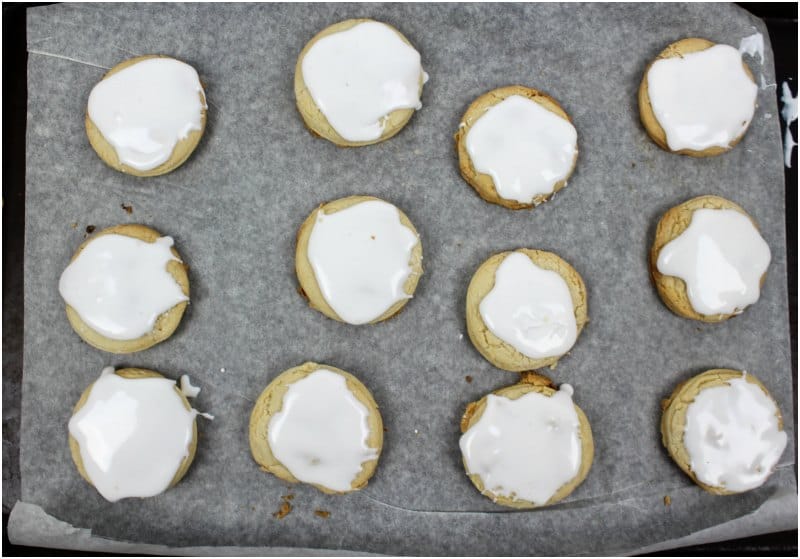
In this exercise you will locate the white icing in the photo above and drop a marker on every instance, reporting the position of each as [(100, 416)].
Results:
[(732, 436), (525, 148), (525, 448), (133, 435), (721, 257), (530, 308), (789, 115), (189, 390), (702, 99), (360, 256), (321, 432), (753, 45), (358, 76), (145, 109), (119, 285)]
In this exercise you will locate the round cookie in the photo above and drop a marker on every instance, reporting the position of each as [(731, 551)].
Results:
[(309, 286), (676, 408), (531, 383), (180, 153), (654, 129), (167, 322), (270, 403), (673, 223), (132, 373), (498, 352), (313, 117), (483, 183)]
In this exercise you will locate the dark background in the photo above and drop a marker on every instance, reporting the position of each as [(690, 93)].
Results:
[(781, 21)]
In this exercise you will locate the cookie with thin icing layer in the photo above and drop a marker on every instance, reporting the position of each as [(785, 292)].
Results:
[(482, 183), (532, 382), (180, 153), (165, 324), (498, 352), (648, 117), (673, 223), (270, 402)]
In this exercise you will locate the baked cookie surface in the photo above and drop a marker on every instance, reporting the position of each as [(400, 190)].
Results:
[(137, 450), (708, 260), (358, 82), (126, 293), (358, 259), (724, 430), (147, 115), (533, 317), (697, 98), (318, 425), (526, 445), (516, 146)]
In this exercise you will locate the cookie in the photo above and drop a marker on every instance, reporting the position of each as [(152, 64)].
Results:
[(697, 98), (125, 289), (516, 147), (132, 433), (525, 309), (147, 115), (708, 260), (724, 430), (358, 82), (358, 259), (526, 445), (319, 425)]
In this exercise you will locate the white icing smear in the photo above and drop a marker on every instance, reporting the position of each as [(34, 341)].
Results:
[(789, 115), (321, 432), (360, 256), (753, 45), (530, 308), (702, 99), (119, 285), (188, 389), (526, 448), (525, 148), (145, 109), (732, 436), (721, 257), (133, 435), (358, 76)]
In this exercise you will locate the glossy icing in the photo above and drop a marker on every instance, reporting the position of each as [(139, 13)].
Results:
[(133, 435), (526, 448), (360, 256), (753, 45), (320, 434), (358, 76), (525, 148), (703, 99), (119, 285), (732, 435), (530, 308), (721, 257), (145, 109)]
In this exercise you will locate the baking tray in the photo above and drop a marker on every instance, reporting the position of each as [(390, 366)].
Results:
[(235, 206)]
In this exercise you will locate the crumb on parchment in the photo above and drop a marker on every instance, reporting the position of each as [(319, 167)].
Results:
[(322, 513), (667, 500), (127, 207), (285, 508)]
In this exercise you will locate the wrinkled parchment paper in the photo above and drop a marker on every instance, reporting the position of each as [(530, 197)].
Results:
[(235, 206)]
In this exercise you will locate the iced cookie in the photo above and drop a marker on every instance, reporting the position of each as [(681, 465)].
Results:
[(526, 445), (724, 430), (697, 98), (525, 309), (133, 433), (708, 260), (125, 288), (358, 82), (319, 425), (147, 115), (516, 147), (358, 259)]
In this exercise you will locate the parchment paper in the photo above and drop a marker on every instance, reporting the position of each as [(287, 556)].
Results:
[(235, 206)]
